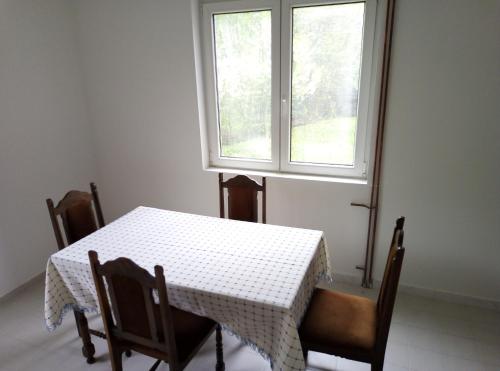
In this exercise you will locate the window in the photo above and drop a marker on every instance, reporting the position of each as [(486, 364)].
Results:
[(288, 85)]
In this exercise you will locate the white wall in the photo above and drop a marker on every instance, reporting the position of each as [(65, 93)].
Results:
[(442, 141), (45, 146), (443, 144)]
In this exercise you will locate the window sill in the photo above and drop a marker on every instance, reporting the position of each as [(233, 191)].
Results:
[(274, 174)]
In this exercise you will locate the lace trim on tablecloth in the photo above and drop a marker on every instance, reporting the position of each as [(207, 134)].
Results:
[(67, 308)]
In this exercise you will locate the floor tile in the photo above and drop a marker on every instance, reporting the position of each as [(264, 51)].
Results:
[(320, 362), (388, 366), (460, 364), (463, 348), (489, 354), (348, 365), (426, 360), (397, 354)]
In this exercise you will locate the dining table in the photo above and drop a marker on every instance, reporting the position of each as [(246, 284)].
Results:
[(255, 280)]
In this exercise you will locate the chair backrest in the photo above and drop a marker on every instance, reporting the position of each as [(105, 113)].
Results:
[(400, 223), (242, 198), (397, 240), (77, 215), (126, 298), (389, 286)]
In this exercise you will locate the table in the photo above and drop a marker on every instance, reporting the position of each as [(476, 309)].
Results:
[(256, 280)]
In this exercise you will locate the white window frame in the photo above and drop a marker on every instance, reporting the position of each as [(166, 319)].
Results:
[(281, 13), (215, 157)]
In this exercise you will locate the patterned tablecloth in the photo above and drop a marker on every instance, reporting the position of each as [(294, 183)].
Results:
[(254, 279)]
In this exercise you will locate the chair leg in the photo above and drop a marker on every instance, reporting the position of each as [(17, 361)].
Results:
[(378, 365), (219, 349), (88, 349), (155, 366), (116, 360)]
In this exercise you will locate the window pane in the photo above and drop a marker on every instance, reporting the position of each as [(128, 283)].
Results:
[(326, 61), (243, 66)]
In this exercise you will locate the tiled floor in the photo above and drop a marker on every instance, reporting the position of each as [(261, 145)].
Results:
[(425, 335)]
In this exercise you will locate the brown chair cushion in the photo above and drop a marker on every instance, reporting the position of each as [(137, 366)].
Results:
[(335, 319)]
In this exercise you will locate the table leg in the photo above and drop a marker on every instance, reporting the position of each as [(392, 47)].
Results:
[(88, 349), (218, 349)]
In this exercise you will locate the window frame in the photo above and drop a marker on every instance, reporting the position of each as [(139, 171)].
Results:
[(215, 158), (281, 35)]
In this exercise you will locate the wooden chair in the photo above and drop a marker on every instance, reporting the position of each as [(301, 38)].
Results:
[(351, 326), (242, 198), (134, 321), (78, 218)]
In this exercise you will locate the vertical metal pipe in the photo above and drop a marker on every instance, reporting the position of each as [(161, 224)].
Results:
[(379, 145), (221, 196), (263, 200)]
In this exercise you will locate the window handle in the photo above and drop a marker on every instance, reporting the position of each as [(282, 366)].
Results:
[(284, 107)]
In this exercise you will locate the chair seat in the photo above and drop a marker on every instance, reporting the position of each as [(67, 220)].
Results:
[(190, 332), (338, 320)]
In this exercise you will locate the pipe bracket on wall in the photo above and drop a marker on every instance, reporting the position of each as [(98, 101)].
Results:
[(370, 208), (362, 205)]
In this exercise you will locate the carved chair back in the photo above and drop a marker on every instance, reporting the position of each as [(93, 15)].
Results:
[(389, 287), (130, 313), (242, 198), (77, 214)]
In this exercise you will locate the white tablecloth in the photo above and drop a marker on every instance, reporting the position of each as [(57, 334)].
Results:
[(254, 279)]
